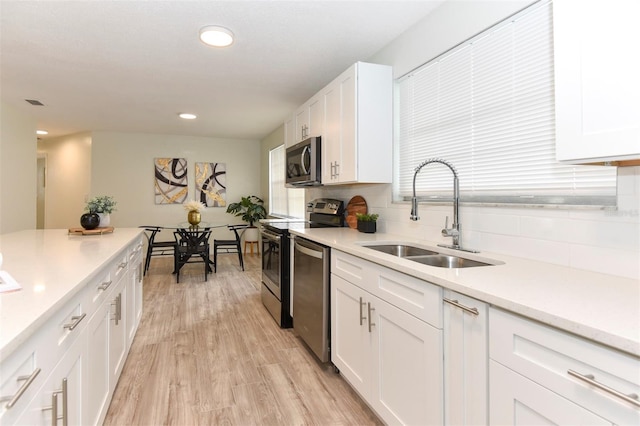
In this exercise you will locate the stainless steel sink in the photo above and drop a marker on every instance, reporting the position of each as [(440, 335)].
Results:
[(444, 261), (401, 250), (427, 257)]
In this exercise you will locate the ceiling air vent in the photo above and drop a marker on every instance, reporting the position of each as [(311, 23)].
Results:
[(34, 102)]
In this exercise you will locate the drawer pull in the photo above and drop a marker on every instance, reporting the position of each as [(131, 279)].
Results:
[(472, 311), (104, 285), (369, 309), (27, 382), (590, 379), (122, 266), (362, 303), (76, 320)]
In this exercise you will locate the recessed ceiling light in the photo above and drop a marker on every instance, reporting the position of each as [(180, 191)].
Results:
[(41, 132), (187, 116), (216, 36)]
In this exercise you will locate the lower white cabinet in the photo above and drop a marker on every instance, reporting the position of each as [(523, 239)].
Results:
[(392, 358), (97, 393), (542, 375), (466, 356), (134, 293)]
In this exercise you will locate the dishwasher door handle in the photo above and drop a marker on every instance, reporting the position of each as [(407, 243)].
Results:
[(308, 252)]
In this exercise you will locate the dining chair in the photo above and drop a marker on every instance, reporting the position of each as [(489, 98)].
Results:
[(229, 246), (155, 248), (192, 246)]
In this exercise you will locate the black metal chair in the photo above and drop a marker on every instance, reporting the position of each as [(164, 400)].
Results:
[(229, 246), (191, 243), (156, 248)]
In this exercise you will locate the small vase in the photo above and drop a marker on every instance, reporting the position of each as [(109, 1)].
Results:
[(194, 217), (89, 221), (105, 219), (367, 227)]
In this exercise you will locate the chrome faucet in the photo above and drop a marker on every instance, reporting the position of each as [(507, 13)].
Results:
[(454, 231)]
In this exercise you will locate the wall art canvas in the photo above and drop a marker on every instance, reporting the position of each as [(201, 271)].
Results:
[(211, 184), (170, 180)]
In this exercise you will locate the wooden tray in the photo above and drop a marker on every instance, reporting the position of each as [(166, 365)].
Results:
[(356, 205), (96, 231)]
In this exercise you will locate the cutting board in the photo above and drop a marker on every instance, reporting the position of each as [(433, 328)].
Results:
[(96, 231), (356, 205)]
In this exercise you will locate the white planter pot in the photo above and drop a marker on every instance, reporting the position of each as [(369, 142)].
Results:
[(105, 220), (251, 234)]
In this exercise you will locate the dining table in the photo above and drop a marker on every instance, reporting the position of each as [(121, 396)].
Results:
[(185, 229)]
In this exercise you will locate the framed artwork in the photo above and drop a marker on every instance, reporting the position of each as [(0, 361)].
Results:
[(170, 180), (211, 184)]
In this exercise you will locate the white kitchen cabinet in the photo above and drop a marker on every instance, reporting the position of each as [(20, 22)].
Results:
[(61, 395), (290, 131), (97, 393), (466, 356), (306, 122), (516, 400), (597, 89), (134, 293), (368, 326), (357, 133), (539, 370)]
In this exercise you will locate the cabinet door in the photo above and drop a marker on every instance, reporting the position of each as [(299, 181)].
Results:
[(64, 388), (407, 361), (516, 400), (97, 366), (596, 80), (302, 123), (316, 116), (117, 336), (290, 132), (350, 347), (331, 137), (348, 165), (465, 360), (134, 302)]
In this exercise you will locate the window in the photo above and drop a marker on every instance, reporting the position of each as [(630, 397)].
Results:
[(487, 107), (288, 202)]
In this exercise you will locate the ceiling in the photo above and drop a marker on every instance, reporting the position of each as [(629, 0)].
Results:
[(132, 66)]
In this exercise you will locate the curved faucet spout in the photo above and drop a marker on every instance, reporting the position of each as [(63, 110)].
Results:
[(454, 231)]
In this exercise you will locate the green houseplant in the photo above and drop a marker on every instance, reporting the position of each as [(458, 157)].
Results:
[(103, 206), (250, 209), (367, 222)]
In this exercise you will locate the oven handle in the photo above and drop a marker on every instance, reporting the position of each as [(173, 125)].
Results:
[(270, 235), (308, 251)]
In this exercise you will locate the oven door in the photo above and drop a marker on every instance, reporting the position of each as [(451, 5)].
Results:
[(271, 261)]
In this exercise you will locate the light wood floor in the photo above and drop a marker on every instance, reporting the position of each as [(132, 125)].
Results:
[(208, 353)]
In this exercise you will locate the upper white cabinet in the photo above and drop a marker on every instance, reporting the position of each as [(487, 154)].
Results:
[(357, 134), (597, 87), (306, 122)]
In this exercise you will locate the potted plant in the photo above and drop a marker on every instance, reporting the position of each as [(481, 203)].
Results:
[(103, 206), (251, 210), (367, 222)]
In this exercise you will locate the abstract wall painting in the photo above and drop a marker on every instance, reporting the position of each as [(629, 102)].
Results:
[(211, 184), (170, 180)]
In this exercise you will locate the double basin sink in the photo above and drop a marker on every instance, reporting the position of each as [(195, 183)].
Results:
[(427, 257)]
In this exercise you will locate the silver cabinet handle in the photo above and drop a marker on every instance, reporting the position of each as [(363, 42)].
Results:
[(104, 285), (369, 309), (472, 311), (122, 265), (54, 405), (27, 382), (117, 302), (75, 321), (362, 303), (590, 379)]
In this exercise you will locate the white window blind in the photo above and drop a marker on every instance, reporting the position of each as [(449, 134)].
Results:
[(487, 107), (288, 202)]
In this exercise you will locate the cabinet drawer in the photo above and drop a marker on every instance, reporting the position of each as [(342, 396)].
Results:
[(414, 296), (549, 357), (21, 375)]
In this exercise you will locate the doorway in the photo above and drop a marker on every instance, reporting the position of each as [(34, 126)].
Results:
[(41, 184)]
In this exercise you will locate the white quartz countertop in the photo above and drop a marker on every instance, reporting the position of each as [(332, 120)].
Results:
[(599, 307), (51, 266)]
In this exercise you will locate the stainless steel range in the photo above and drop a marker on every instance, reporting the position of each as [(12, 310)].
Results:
[(276, 254)]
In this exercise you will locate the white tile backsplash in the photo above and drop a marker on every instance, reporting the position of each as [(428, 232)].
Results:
[(605, 241)]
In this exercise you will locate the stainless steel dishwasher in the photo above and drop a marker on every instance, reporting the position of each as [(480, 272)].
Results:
[(311, 295)]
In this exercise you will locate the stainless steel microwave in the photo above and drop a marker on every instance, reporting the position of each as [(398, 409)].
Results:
[(304, 163)]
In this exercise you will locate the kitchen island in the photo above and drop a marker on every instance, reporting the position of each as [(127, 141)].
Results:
[(70, 325)]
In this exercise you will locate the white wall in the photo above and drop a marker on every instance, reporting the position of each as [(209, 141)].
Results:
[(18, 168), (596, 240), (68, 179), (123, 167)]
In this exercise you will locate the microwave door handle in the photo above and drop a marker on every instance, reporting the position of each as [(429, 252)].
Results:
[(305, 151)]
